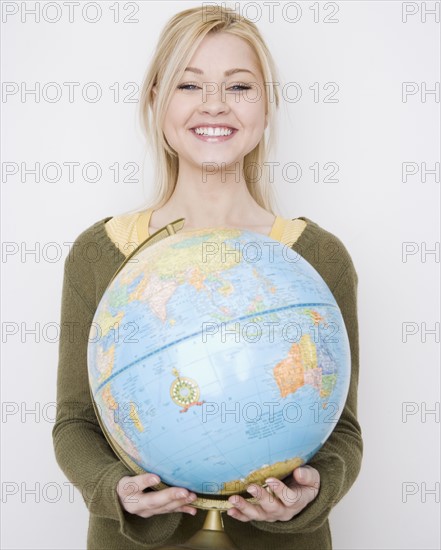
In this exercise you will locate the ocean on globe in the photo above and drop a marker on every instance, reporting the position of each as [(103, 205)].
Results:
[(216, 358)]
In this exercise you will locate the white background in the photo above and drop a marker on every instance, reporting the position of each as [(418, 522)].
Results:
[(369, 133)]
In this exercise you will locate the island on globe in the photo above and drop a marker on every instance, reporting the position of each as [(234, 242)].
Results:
[(216, 358)]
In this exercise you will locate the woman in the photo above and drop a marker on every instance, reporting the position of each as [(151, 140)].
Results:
[(211, 70)]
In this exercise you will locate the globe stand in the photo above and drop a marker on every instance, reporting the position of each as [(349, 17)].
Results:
[(211, 536)]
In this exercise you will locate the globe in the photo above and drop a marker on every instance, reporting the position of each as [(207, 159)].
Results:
[(218, 357)]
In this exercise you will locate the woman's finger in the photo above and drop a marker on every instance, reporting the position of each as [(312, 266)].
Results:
[(246, 509), (187, 509), (167, 500), (288, 495), (265, 498), (307, 475), (132, 484), (236, 514)]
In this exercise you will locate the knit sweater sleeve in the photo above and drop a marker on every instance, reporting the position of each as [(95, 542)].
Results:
[(339, 460), (81, 450)]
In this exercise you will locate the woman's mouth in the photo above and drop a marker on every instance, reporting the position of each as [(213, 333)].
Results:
[(213, 134)]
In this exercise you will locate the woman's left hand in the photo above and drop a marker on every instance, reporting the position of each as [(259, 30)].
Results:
[(286, 499)]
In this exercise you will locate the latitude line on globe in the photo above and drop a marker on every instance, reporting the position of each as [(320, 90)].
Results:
[(175, 342)]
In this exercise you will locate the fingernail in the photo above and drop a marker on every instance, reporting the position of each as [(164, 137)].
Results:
[(252, 490), (153, 479), (302, 473), (272, 483), (181, 494)]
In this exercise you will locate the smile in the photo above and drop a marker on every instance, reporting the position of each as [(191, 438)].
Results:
[(213, 134)]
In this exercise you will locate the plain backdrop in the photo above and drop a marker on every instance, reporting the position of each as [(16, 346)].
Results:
[(366, 52)]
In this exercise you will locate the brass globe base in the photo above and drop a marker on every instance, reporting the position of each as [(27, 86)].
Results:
[(211, 536)]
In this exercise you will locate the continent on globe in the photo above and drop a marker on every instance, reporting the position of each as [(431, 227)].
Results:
[(278, 470), (298, 368)]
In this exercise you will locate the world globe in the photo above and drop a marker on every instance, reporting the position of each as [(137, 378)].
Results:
[(218, 357)]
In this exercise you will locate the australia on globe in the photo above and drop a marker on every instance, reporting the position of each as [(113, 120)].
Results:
[(216, 358)]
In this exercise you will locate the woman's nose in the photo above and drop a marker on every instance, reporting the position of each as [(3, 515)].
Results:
[(213, 99)]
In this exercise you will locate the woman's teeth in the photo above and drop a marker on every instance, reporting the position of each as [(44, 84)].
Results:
[(213, 131)]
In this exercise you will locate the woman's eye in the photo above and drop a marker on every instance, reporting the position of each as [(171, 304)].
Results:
[(186, 86), (239, 87)]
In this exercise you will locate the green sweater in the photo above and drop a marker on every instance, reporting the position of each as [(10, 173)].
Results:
[(88, 461)]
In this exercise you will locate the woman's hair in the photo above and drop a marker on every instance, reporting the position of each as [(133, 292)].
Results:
[(177, 43)]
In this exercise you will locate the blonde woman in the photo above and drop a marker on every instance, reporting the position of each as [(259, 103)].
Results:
[(208, 137)]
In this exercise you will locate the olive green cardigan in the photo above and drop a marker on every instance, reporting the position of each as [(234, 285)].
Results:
[(88, 461)]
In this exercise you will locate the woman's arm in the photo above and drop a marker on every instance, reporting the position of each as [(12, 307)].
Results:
[(81, 449)]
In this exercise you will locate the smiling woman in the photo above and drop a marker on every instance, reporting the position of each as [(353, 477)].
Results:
[(212, 127), (207, 106), (218, 74)]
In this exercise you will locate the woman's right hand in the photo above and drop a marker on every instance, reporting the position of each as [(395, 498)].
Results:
[(135, 501)]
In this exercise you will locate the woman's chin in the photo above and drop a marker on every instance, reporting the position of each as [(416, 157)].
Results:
[(211, 163)]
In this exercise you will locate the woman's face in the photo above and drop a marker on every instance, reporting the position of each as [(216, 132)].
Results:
[(207, 95)]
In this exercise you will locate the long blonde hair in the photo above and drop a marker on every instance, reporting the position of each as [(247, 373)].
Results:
[(177, 43)]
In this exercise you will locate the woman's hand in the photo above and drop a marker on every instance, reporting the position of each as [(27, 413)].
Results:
[(135, 501), (287, 499)]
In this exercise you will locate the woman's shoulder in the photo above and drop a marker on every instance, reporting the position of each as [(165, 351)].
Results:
[(94, 256), (325, 251), (120, 229), (90, 236)]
